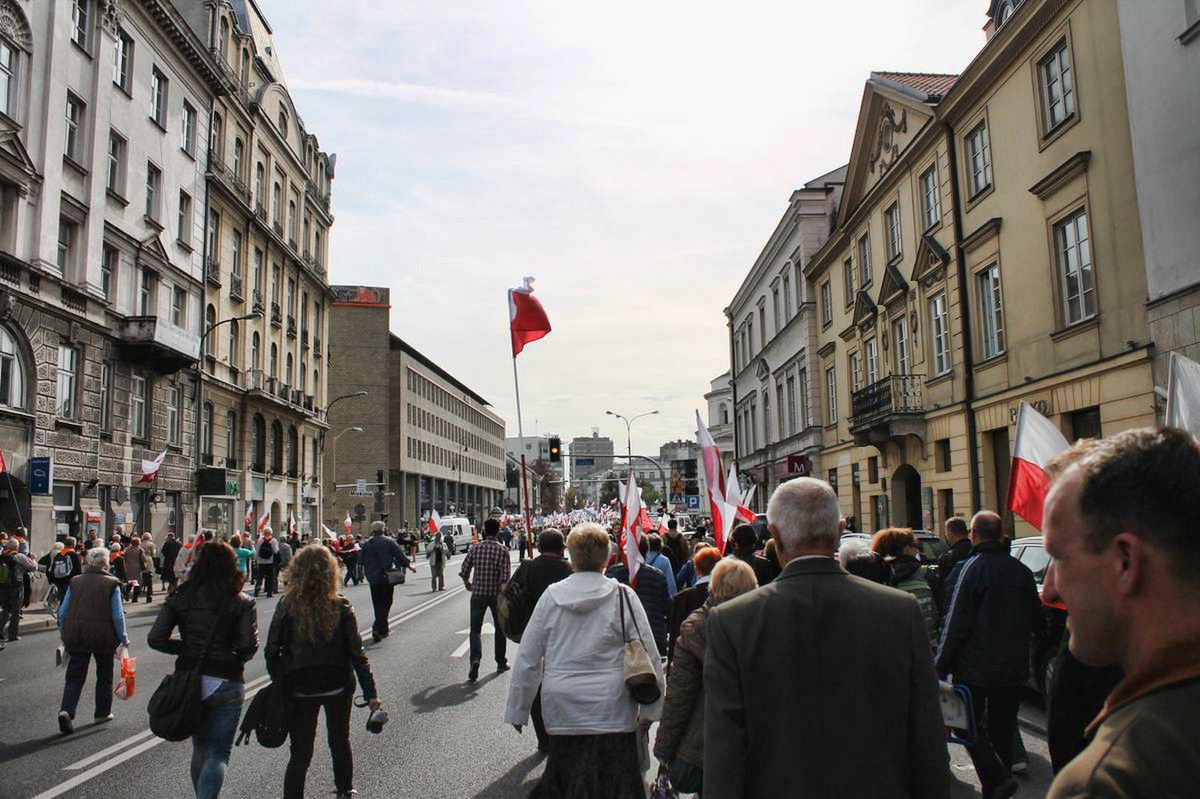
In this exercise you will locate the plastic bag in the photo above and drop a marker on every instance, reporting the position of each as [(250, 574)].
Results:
[(661, 789), (125, 685)]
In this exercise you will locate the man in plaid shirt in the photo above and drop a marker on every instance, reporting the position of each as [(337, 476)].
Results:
[(488, 562)]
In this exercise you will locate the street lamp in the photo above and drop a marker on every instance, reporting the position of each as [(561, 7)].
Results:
[(628, 424), (333, 460), (336, 400), (255, 314)]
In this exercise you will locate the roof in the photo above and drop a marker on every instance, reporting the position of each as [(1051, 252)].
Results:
[(398, 343), (930, 83)]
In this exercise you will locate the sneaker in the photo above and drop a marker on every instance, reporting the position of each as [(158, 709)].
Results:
[(1019, 767), (14, 638), (103, 719), (65, 725), (350, 794), (502, 667), (473, 674)]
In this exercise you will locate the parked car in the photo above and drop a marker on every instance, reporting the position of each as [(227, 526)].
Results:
[(1042, 654), (930, 545), (457, 530)]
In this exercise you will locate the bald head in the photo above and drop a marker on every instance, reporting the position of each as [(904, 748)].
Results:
[(804, 518), (986, 526)]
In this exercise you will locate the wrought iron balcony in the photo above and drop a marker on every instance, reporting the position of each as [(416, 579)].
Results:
[(276, 315), (316, 346), (304, 338), (888, 409), (291, 326), (212, 270), (235, 287), (228, 177)]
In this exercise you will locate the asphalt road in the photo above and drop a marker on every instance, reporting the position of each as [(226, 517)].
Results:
[(445, 738)]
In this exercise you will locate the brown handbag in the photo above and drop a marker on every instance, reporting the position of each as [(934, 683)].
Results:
[(640, 677)]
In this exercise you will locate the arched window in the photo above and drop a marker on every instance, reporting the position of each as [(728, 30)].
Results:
[(214, 143), (292, 219), (223, 45), (239, 151), (210, 318), (245, 68), (303, 376), (260, 177), (274, 359), (233, 344), (231, 440), (292, 450), (255, 362), (12, 372), (287, 376), (316, 385), (724, 414), (276, 446), (283, 123), (206, 432), (258, 443), (276, 203)]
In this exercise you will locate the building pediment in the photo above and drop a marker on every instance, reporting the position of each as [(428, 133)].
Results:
[(763, 371), (931, 261), (15, 163), (892, 286), (865, 311), (151, 249)]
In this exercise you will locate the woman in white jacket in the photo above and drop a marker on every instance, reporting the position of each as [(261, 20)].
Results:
[(574, 649)]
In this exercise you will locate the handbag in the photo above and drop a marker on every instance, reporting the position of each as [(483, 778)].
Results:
[(266, 717), (396, 576), (640, 677), (176, 707), (662, 788)]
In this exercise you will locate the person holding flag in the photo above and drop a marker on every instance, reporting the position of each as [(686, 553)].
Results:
[(647, 582)]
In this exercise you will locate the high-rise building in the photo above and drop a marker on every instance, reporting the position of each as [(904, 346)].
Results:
[(591, 456)]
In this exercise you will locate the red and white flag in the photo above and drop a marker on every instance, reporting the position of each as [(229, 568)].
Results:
[(662, 525), (264, 520), (349, 523), (527, 320), (3, 465), (327, 532), (249, 515), (734, 509), (291, 524), (435, 522), (627, 541), (1038, 441), (150, 468), (715, 479)]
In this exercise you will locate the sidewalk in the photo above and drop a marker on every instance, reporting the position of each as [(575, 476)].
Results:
[(37, 618)]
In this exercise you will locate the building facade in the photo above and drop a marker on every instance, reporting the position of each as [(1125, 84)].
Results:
[(103, 113), (987, 251), (437, 443), (591, 457), (266, 232), (771, 341)]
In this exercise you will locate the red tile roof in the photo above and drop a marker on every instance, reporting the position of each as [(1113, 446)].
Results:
[(929, 83)]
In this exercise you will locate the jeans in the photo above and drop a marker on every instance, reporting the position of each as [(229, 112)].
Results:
[(11, 600), (265, 571), (995, 725), (77, 669), (381, 600), (302, 731), (479, 604), (212, 745)]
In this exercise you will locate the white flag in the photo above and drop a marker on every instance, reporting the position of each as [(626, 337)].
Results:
[(1183, 394)]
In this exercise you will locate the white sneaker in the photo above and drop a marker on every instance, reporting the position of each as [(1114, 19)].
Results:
[(1019, 767), (65, 725)]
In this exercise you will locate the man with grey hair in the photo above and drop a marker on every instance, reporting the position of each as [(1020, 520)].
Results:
[(378, 555), (819, 649), (91, 620), (13, 567)]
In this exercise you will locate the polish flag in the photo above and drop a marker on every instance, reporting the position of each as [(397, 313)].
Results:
[(1038, 441), (349, 523), (527, 319), (1183, 394), (662, 525), (435, 522), (715, 479), (150, 468), (291, 524), (264, 520), (249, 516), (734, 509), (627, 541), (327, 532), (3, 465)]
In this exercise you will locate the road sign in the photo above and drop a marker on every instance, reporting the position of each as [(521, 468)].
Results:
[(677, 499), (693, 502), (585, 461), (360, 485)]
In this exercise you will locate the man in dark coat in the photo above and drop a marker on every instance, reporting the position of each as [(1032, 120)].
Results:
[(168, 553), (820, 684), (675, 545), (651, 589), (379, 554), (960, 549), (744, 539)]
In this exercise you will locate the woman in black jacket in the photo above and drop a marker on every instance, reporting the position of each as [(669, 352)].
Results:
[(210, 604), (315, 650)]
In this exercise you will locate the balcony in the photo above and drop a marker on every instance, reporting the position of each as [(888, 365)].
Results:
[(256, 302), (291, 326), (227, 178), (157, 344), (310, 403), (888, 409), (316, 346), (282, 390), (74, 300), (276, 315), (260, 213), (278, 228), (235, 288), (297, 396), (212, 271), (304, 338), (292, 243)]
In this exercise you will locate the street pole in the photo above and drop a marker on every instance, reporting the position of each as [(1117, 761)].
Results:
[(333, 462), (524, 473)]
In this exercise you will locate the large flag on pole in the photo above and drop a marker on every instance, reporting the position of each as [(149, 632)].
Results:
[(264, 520), (291, 523), (150, 468), (734, 509), (349, 523), (249, 516), (435, 522), (627, 543), (1183, 394), (328, 533), (715, 479), (527, 320), (1038, 441)]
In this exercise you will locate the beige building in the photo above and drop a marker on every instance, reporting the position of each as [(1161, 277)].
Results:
[(266, 289), (987, 251)]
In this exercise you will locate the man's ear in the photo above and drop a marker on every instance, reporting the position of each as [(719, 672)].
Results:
[(1130, 562), (842, 526)]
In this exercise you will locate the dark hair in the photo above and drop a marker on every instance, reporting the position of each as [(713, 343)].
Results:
[(987, 525), (551, 540), (956, 525), (654, 541), (870, 566), (1145, 482), (491, 528), (770, 552), (743, 537), (672, 525), (643, 545), (214, 572)]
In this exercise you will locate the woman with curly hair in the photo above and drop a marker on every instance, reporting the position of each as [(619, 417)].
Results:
[(314, 649)]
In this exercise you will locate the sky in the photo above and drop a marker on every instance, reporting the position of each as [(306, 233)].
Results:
[(633, 157)]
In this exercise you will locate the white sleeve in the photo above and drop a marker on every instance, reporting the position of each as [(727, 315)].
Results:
[(527, 675), (653, 711)]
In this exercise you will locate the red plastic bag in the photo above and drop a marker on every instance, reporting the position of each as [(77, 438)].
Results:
[(125, 685)]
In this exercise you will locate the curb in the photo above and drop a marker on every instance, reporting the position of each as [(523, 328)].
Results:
[(40, 619)]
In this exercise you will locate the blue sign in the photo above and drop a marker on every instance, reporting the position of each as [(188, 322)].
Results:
[(585, 461), (677, 499), (40, 481), (693, 502)]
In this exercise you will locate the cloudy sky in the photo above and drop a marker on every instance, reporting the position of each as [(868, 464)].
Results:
[(633, 157)]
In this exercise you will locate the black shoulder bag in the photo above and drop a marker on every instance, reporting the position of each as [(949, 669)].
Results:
[(176, 707)]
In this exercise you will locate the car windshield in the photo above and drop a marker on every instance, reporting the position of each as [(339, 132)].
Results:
[(931, 548), (1037, 560)]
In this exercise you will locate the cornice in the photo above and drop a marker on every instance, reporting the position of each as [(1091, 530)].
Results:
[(982, 233), (1062, 174)]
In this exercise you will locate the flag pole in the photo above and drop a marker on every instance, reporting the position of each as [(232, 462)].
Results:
[(12, 492), (524, 474)]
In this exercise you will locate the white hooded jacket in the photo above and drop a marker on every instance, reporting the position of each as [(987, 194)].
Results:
[(573, 648)]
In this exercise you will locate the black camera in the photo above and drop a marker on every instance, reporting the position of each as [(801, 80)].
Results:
[(376, 720)]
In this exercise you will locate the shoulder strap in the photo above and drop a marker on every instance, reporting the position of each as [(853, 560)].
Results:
[(624, 604)]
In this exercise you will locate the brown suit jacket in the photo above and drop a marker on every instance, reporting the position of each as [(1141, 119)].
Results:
[(821, 685)]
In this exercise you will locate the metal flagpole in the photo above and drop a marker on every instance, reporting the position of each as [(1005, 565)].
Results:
[(12, 492), (524, 475)]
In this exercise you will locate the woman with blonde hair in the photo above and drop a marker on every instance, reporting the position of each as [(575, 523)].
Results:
[(314, 649), (679, 744)]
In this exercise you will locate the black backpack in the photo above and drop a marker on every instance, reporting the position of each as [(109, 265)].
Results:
[(265, 551), (514, 607), (9, 573), (266, 717)]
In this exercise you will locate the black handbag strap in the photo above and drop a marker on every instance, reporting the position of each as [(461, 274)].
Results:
[(624, 601)]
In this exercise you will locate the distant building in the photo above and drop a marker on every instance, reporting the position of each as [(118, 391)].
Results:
[(590, 456)]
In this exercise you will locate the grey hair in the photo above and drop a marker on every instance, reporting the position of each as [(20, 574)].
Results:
[(97, 557), (804, 513), (850, 547), (378, 527)]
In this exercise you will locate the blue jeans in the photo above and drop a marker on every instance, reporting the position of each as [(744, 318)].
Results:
[(479, 606), (213, 743)]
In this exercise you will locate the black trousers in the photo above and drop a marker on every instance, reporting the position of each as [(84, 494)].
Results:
[(11, 600), (539, 725), (381, 599), (302, 732), (995, 725), (266, 571), (77, 669)]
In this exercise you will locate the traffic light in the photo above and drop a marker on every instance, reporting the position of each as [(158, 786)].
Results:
[(555, 449), (379, 475)]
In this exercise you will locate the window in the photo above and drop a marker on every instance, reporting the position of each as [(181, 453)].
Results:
[(214, 236), (223, 45), (1058, 93), (235, 267), (1075, 268), (116, 164), (173, 415), (68, 377), (216, 139), (287, 374), (276, 447), (778, 318), (943, 462), (831, 393), (873, 469), (1085, 423), (8, 79), (239, 154), (146, 293), (233, 344), (864, 258), (255, 355), (900, 346), (848, 276), (187, 131), (993, 320), (274, 360), (179, 307), (931, 204), (122, 58), (979, 159), (258, 443), (185, 218), (108, 268), (852, 364), (158, 98), (826, 303), (283, 123), (105, 397), (750, 332), (258, 270), (766, 395), (68, 231), (276, 203), (73, 146), (12, 375), (1004, 11), (762, 324), (291, 451), (153, 188), (206, 432), (787, 296), (892, 220), (292, 219), (870, 346), (939, 326), (79, 22), (231, 439), (805, 411), (259, 178)]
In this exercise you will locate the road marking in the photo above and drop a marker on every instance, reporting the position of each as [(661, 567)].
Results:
[(487, 629), (112, 756)]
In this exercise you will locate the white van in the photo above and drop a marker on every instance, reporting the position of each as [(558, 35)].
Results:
[(457, 530)]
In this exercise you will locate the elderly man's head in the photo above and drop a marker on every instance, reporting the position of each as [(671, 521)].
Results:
[(97, 559), (1120, 523), (11, 545), (378, 528), (986, 526), (804, 518)]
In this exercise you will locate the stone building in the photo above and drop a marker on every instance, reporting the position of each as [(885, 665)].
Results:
[(591, 458)]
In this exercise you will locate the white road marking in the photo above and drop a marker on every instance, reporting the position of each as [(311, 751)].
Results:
[(487, 629)]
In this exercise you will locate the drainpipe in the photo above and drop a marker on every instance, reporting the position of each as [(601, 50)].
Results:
[(964, 306), (733, 386)]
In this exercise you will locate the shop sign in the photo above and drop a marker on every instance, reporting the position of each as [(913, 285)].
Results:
[(41, 475), (1042, 406), (232, 488)]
